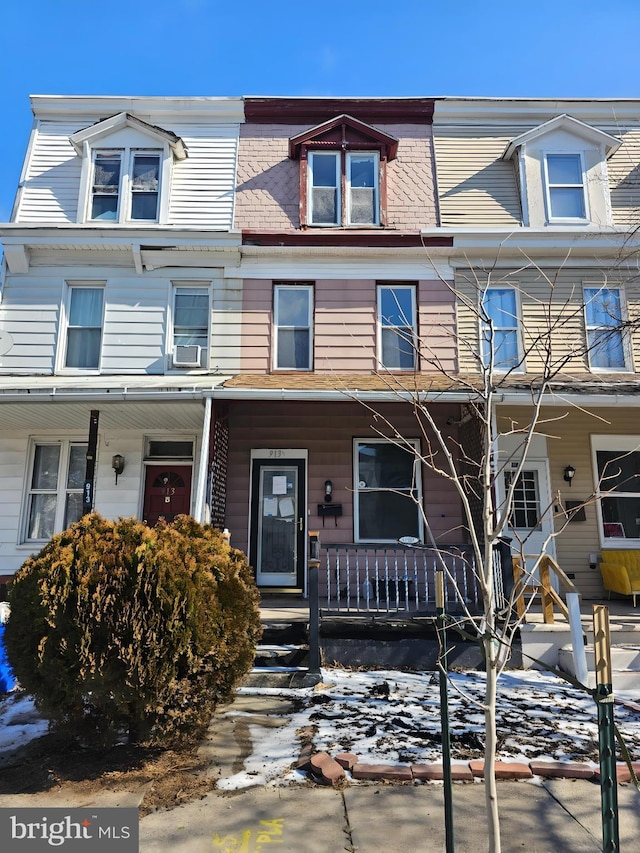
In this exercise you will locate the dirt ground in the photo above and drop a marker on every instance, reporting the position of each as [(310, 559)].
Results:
[(49, 763)]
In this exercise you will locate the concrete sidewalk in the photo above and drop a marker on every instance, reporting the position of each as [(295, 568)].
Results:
[(558, 816)]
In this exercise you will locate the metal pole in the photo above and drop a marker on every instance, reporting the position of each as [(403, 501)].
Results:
[(444, 713), (314, 605), (606, 735)]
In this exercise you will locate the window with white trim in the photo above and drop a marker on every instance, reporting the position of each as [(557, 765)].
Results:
[(565, 185), (343, 188), (125, 186), (387, 492), (500, 328), (617, 478), (83, 339), (293, 326), (603, 319), (191, 319), (397, 332), (54, 498)]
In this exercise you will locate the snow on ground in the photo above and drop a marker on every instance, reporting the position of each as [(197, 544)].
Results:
[(389, 716), (394, 717)]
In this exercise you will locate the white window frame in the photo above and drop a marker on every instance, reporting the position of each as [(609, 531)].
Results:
[(624, 444), (548, 186), (519, 367), (195, 287), (624, 342), (343, 186), (60, 491), (127, 157), (413, 324), (277, 326), (71, 286), (358, 488)]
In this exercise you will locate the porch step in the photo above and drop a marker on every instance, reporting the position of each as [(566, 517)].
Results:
[(625, 665), (283, 656)]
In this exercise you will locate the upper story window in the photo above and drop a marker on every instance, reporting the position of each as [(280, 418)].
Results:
[(500, 336), (84, 327), (126, 186), (293, 326), (343, 173), (397, 333), (604, 319), (343, 188), (191, 316), (566, 199), (126, 168)]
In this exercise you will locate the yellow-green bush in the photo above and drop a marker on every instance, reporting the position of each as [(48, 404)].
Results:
[(117, 627)]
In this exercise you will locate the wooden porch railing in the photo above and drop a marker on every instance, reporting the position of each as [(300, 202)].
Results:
[(543, 587)]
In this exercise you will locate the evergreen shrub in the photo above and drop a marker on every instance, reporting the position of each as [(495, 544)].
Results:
[(117, 627)]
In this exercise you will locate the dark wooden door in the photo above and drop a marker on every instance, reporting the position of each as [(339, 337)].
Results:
[(167, 492)]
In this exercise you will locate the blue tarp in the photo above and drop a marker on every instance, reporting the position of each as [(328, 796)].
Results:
[(7, 681)]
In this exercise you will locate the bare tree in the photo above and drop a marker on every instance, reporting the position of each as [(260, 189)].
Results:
[(496, 342)]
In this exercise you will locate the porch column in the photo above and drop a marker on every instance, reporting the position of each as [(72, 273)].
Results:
[(203, 466), (90, 469)]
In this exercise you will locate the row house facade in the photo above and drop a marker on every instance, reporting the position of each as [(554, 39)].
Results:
[(220, 306)]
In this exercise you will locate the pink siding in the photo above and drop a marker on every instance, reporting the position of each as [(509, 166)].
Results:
[(268, 191), (345, 325), (326, 431)]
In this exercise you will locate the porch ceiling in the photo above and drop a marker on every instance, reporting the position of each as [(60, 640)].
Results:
[(47, 415)]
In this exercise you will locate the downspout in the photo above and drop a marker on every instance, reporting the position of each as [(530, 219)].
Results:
[(203, 467)]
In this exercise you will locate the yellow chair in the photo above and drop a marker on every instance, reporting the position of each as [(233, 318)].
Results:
[(620, 572)]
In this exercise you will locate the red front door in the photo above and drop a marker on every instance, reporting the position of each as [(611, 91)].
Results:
[(167, 492)]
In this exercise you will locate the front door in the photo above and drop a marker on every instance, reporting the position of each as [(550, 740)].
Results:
[(531, 521), (167, 492), (278, 510)]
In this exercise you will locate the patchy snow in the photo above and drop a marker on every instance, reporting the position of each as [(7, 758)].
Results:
[(390, 717)]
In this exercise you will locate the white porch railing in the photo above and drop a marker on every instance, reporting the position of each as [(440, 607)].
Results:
[(386, 578)]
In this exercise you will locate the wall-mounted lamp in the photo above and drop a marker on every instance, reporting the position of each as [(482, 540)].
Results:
[(328, 491), (117, 463), (569, 474)]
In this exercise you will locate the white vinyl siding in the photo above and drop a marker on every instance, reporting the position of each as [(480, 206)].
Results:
[(135, 325)]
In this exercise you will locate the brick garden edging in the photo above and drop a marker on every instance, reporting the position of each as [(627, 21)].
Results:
[(330, 771)]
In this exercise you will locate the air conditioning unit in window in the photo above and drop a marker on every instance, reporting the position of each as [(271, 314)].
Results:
[(187, 355)]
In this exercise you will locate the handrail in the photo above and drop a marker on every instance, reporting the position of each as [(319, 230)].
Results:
[(544, 587)]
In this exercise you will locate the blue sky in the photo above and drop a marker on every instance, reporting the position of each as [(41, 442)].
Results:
[(548, 48)]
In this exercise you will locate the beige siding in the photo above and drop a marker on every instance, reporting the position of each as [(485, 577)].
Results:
[(624, 179), (328, 438), (475, 186), (538, 289), (569, 443)]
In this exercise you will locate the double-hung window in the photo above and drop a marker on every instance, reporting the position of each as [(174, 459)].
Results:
[(617, 475), (566, 198), (191, 315), (603, 317), (387, 490), (125, 185), (54, 499), (343, 188), (84, 327), (293, 326), (397, 333), (499, 321)]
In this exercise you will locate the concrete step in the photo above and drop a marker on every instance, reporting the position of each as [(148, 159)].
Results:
[(625, 665), (622, 633), (288, 656)]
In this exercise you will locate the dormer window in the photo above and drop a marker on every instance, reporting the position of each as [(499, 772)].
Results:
[(126, 170), (343, 173), (565, 187), (125, 186)]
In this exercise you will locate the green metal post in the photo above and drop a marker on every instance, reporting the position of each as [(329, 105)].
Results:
[(444, 714), (606, 735)]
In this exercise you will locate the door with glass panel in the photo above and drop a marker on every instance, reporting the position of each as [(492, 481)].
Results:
[(56, 486), (278, 511)]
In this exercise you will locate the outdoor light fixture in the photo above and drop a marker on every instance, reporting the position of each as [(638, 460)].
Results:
[(117, 463), (328, 491), (569, 474)]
